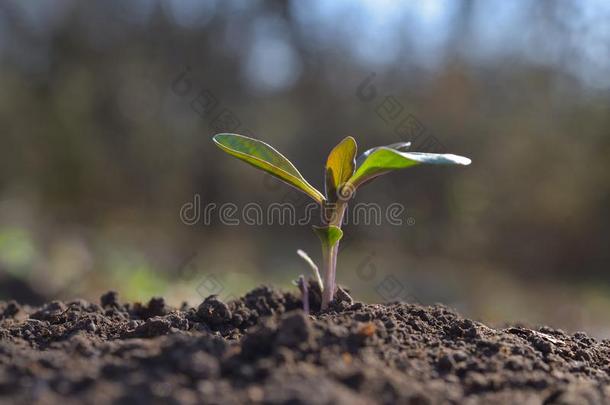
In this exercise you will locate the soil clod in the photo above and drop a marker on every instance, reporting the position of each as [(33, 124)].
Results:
[(109, 299), (213, 311)]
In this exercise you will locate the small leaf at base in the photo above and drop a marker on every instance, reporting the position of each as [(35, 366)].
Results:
[(329, 235)]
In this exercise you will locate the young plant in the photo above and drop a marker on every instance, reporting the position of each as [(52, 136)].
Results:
[(344, 173)]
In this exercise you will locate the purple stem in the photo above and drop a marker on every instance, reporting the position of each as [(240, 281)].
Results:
[(305, 293)]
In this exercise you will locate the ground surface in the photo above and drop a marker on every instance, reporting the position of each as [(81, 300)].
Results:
[(263, 349)]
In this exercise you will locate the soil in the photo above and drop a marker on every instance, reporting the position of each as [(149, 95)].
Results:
[(262, 348)]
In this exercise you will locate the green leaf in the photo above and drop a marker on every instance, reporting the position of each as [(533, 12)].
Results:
[(384, 159), (400, 146), (329, 235), (265, 157), (340, 166)]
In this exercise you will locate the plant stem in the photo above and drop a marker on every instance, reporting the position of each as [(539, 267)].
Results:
[(304, 293), (330, 257)]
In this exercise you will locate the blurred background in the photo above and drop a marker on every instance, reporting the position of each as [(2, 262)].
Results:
[(107, 109)]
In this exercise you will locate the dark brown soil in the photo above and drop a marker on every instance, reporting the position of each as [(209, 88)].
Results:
[(263, 349)]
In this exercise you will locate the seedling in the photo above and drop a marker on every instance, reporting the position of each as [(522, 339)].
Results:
[(344, 173)]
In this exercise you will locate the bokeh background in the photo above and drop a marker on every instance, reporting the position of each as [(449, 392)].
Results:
[(107, 109)]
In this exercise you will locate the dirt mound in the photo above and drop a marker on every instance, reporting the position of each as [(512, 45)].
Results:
[(263, 349)]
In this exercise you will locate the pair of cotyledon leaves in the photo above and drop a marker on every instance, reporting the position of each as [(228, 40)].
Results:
[(343, 170)]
